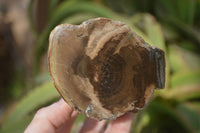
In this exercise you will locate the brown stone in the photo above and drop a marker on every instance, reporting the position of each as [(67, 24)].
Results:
[(103, 69)]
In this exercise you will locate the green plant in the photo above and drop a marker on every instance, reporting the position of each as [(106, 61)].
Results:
[(170, 25)]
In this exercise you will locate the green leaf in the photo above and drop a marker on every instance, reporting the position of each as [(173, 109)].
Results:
[(182, 60), (167, 6), (154, 32), (168, 117), (163, 117), (17, 126), (194, 105), (183, 29), (182, 10), (141, 119), (190, 77), (33, 100), (151, 29), (52, 6), (189, 116), (186, 10), (138, 27), (182, 93)]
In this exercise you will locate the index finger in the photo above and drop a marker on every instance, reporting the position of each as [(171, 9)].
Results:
[(121, 125), (51, 118)]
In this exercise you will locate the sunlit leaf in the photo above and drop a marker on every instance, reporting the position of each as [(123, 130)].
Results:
[(182, 60), (33, 100), (183, 93), (154, 32), (190, 77)]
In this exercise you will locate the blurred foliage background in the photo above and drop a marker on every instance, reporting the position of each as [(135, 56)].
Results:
[(172, 25)]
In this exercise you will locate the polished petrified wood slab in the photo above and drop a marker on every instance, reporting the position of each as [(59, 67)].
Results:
[(103, 69)]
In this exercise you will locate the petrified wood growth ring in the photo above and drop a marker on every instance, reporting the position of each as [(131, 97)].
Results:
[(103, 69)]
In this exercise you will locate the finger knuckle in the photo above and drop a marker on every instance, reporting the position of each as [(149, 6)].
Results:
[(41, 112)]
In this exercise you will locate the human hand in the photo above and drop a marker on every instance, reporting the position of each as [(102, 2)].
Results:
[(59, 118)]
